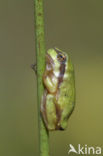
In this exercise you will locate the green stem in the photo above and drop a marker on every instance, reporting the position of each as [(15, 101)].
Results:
[(40, 55)]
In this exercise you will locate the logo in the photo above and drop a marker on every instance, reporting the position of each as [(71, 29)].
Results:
[(84, 149)]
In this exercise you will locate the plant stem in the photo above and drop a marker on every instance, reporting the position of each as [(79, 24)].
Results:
[(40, 57)]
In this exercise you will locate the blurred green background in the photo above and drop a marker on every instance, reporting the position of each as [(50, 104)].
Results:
[(73, 26)]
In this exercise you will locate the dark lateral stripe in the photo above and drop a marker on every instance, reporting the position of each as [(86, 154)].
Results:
[(61, 75), (60, 80)]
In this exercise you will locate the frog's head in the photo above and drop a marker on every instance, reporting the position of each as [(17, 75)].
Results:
[(56, 56), (56, 60)]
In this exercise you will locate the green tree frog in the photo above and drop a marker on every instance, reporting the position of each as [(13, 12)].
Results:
[(59, 95)]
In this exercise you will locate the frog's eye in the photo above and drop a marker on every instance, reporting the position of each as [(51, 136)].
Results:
[(61, 57)]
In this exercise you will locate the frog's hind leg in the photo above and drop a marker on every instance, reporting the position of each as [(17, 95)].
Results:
[(50, 112), (43, 107)]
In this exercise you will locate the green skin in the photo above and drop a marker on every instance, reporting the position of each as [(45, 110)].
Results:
[(59, 96)]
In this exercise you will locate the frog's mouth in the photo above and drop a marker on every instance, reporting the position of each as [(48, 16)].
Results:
[(49, 62), (49, 59)]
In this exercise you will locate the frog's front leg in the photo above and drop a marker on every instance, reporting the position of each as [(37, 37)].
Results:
[(50, 82)]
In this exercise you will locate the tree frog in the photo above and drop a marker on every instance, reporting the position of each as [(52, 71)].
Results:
[(59, 95)]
